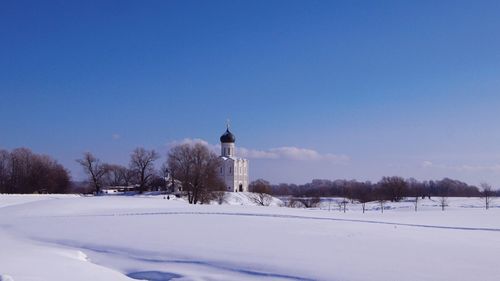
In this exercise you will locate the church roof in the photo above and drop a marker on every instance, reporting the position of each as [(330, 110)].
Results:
[(227, 137)]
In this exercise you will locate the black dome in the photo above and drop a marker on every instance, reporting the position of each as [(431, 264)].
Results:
[(227, 137)]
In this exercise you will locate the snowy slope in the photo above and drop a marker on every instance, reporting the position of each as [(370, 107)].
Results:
[(244, 198), (107, 238), (15, 199)]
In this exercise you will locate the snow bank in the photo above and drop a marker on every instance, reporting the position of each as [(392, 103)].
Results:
[(15, 199), (6, 278), (245, 199), (30, 260), (117, 238)]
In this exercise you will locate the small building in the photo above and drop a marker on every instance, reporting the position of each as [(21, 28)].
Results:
[(173, 186), (118, 190), (234, 170)]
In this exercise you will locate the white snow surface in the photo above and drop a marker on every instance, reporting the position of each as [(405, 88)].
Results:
[(61, 237)]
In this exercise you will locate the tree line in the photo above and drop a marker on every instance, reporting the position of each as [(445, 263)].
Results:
[(392, 188), (140, 171), (22, 171), (193, 166)]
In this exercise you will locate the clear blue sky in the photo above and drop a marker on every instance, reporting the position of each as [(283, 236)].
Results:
[(370, 88)]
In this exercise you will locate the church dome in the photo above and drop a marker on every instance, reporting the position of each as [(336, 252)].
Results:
[(227, 137)]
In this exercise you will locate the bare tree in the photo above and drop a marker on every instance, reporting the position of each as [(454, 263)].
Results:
[(21, 165), (261, 199), (260, 192), (157, 183), (344, 203), (443, 202), (196, 167), (47, 176), (94, 169), (260, 186), (443, 193), (26, 172), (416, 198), (22, 171), (416, 190), (116, 175), (487, 194), (339, 204), (382, 194), (292, 202), (363, 193), (142, 165), (309, 202), (4, 170), (220, 197), (395, 187), (127, 176)]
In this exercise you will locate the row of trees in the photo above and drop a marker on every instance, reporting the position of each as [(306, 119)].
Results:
[(22, 171), (392, 188), (140, 172), (195, 168), (193, 165)]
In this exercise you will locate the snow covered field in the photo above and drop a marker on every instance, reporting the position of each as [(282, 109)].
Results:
[(66, 237)]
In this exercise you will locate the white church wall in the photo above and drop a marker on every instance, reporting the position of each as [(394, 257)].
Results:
[(234, 171), (228, 149)]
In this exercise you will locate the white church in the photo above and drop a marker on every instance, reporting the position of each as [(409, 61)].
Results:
[(234, 170)]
